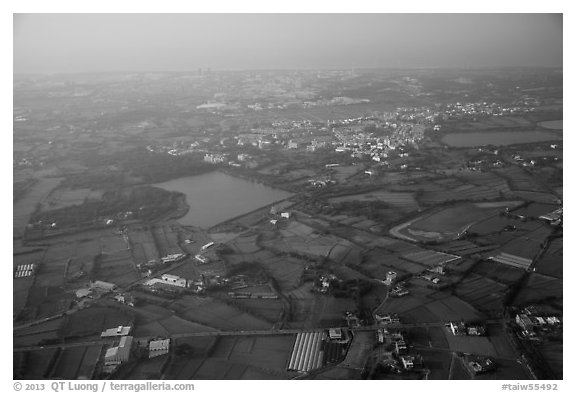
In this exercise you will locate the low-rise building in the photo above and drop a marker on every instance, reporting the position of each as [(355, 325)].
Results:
[(172, 258), (335, 333), (83, 292), (103, 285), (201, 258), (117, 331), (407, 362), (174, 280), (158, 348), (119, 354), (125, 298)]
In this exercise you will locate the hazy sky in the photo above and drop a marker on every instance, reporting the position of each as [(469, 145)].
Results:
[(61, 43)]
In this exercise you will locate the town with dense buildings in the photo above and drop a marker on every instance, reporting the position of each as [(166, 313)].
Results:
[(334, 224)]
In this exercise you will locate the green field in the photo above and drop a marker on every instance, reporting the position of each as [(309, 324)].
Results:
[(215, 313), (236, 357)]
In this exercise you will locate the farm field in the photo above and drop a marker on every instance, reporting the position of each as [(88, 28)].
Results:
[(38, 363), (236, 357), (486, 179), (168, 326), (303, 239), (35, 334), (538, 287), (535, 196), (399, 200), (459, 371), (91, 356), (438, 362), (311, 310), (143, 246), (498, 272), (117, 268), (471, 345), (94, 320), (71, 360), (65, 197), (552, 353), (463, 248), (446, 223), (24, 207), (46, 301), (518, 179), (361, 346), (286, 270), (215, 313), (268, 309), (552, 261), (529, 244), (430, 258), (481, 292), (341, 173), (148, 369), (166, 239), (445, 310), (497, 336), (464, 192)]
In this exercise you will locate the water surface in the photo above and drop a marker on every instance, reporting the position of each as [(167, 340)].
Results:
[(215, 197), (552, 124)]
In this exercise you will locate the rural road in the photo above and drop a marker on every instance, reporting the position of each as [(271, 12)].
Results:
[(245, 333)]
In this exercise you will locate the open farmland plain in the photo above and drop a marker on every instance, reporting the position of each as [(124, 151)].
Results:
[(242, 357), (411, 199)]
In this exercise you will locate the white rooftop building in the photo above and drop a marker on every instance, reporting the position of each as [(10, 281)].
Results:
[(159, 347), (119, 354), (117, 331)]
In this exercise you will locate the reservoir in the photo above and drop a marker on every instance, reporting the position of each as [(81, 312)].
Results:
[(215, 197), (552, 124), (498, 138)]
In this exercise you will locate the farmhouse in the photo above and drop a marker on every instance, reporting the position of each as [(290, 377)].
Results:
[(407, 362), (335, 334), (103, 285), (83, 292), (168, 281), (173, 258), (158, 348), (390, 277), (386, 318), (201, 258), (174, 280), (125, 298)]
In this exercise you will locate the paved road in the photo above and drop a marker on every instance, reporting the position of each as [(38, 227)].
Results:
[(270, 332)]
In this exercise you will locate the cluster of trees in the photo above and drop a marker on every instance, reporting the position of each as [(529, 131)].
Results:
[(144, 203)]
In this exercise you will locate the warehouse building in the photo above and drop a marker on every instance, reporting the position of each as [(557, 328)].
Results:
[(119, 354)]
